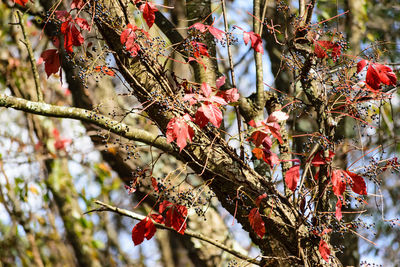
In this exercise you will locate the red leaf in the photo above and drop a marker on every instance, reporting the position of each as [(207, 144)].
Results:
[(206, 89), (319, 159), (217, 33), (258, 137), (60, 144), (220, 81), (199, 26), (179, 129), (208, 113), (149, 15), (230, 95), (154, 184), (258, 152), (322, 46), (274, 129), (292, 177), (324, 250), (377, 74), (128, 37), (338, 180), (175, 218), (51, 60), (357, 183), (256, 222), (21, 2), (199, 49), (256, 41), (72, 36), (164, 205), (138, 232), (82, 23), (260, 198), (77, 4), (158, 218), (338, 212), (270, 158), (145, 228), (105, 70)]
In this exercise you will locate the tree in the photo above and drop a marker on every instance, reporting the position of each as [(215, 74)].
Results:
[(164, 107)]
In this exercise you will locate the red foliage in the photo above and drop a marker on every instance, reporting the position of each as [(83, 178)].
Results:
[(377, 74), (199, 49), (149, 10), (260, 198), (208, 113), (77, 4), (21, 2), (217, 33), (319, 158), (338, 212), (292, 177), (256, 41), (145, 228), (175, 216), (256, 222), (338, 180), (128, 37), (320, 48), (357, 183), (324, 250), (105, 70), (72, 36), (179, 129), (51, 60)]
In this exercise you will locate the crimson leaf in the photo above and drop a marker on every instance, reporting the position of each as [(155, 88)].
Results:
[(149, 11), (338, 212), (179, 129), (292, 177), (175, 218), (324, 250), (256, 41), (357, 183), (145, 228), (338, 180), (51, 60), (21, 2), (256, 222)]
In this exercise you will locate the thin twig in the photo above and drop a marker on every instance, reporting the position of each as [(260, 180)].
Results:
[(238, 117), (31, 57), (124, 212)]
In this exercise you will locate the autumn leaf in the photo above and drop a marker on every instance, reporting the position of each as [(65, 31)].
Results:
[(128, 37), (230, 96), (292, 177), (21, 2), (105, 70), (377, 74), (149, 10), (258, 152), (78, 4), (321, 48), (256, 222), (144, 229), (319, 158), (51, 59), (208, 113), (338, 212), (199, 49), (179, 129), (324, 250), (338, 180), (175, 218), (357, 183), (217, 33), (260, 198), (256, 41), (199, 26), (270, 157), (220, 81), (72, 36)]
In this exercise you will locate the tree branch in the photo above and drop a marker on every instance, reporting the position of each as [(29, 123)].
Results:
[(124, 212), (86, 116)]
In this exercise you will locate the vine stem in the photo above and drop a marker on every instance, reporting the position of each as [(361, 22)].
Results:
[(232, 71)]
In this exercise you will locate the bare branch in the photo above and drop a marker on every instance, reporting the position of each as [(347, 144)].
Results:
[(124, 212), (86, 116)]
